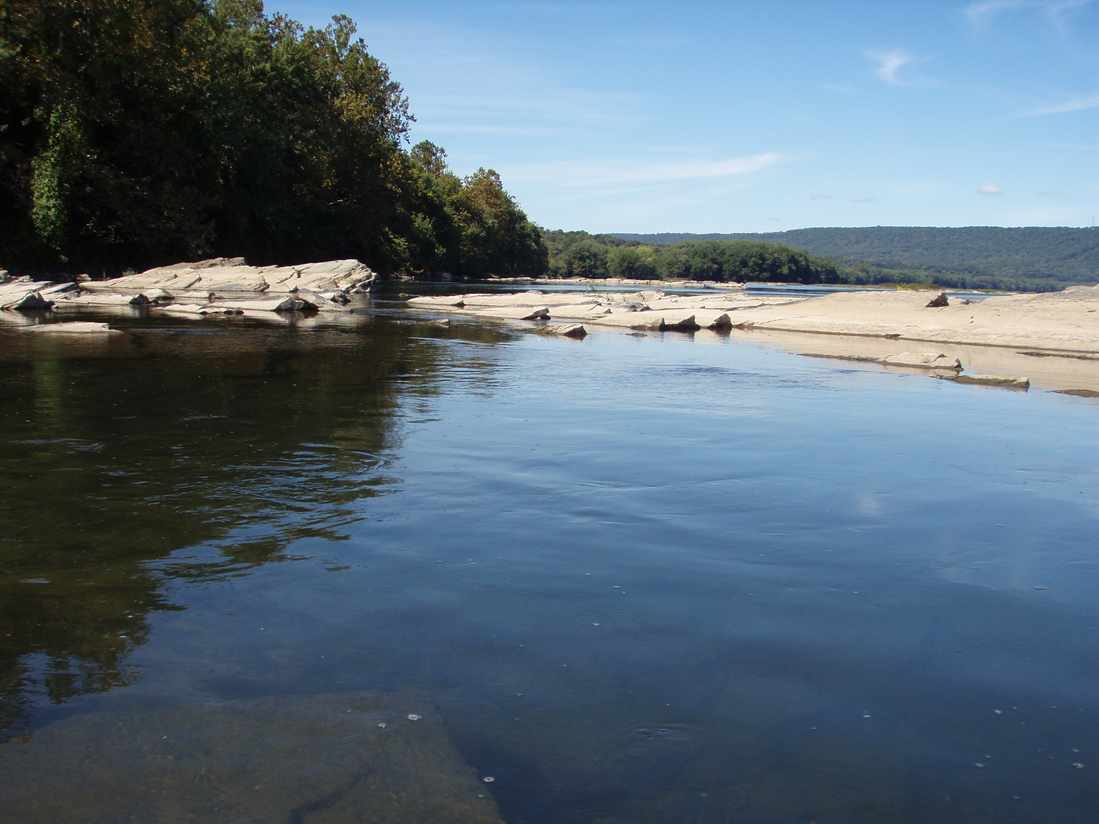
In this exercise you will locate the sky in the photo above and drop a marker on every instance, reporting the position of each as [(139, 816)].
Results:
[(744, 116)]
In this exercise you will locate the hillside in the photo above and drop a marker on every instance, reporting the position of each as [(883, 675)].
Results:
[(1029, 257)]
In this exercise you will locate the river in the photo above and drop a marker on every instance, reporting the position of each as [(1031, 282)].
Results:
[(639, 578)]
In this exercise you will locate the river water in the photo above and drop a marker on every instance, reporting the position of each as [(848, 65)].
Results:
[(639, 578)]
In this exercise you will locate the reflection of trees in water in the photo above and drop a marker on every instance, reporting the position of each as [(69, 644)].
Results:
[(236, 443)]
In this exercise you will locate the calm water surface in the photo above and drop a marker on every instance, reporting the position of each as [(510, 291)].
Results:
[(643, 579)]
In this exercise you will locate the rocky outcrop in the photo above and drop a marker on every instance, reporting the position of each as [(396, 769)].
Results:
[(210, 287), (651, 311)]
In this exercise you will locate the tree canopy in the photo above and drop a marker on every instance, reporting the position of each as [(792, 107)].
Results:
[(136, 132), (582, 254)]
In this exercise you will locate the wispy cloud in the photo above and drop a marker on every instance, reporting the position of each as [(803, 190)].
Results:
[(1076, 104), (820, 196), (1058, 12), (492, 129), (980, 12), (888, 64), (989, 189), (577, 175)]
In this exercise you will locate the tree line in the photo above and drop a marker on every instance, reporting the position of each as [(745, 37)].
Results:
[(140, 132), (580, 254), (1032, 257)]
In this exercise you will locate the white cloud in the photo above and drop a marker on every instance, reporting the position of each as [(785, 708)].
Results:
[(889, 64), (576, 175), (1077, 104), (989, 189)]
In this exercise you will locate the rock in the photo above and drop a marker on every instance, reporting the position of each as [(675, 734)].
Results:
[(325, 758), (939, 301), (513, 313), (87, 300), (988, 380), (571, 330), (196, 310), (158, 295), (433, 301), (279, 303), (922, 360), (441, 324), (29, 301), (58, 289), (680, 324), (71, 328), (230, 277)]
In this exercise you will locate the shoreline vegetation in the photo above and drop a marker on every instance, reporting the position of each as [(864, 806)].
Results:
[(136, 134)]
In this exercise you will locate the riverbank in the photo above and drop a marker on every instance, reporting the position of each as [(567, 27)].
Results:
[(1054, 336)]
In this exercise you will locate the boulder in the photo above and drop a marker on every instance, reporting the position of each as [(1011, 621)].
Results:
[(938, 301), (569, 330), (28, 301), (680, 323)]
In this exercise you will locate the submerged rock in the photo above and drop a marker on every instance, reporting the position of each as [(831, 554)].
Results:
[(988, 380), (320, 758), (922, 360)]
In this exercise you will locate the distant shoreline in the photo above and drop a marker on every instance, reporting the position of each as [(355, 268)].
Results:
[(708, 284)]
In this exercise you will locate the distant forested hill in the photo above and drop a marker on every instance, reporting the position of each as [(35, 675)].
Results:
[(1033, 257)]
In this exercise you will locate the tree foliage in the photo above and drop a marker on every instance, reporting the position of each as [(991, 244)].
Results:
[(134, 132), (581, 254)]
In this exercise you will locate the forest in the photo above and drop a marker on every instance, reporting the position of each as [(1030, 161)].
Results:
[(580, 254), (1036, 258), (140, 132)]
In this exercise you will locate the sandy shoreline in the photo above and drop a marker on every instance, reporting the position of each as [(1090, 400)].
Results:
[(1050, 339)]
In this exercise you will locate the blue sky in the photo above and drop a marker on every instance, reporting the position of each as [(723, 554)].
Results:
[(756, 116)]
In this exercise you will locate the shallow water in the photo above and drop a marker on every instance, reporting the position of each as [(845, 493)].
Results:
[(642, 579)]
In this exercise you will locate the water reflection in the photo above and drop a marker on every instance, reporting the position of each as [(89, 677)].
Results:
[(231, 444)]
